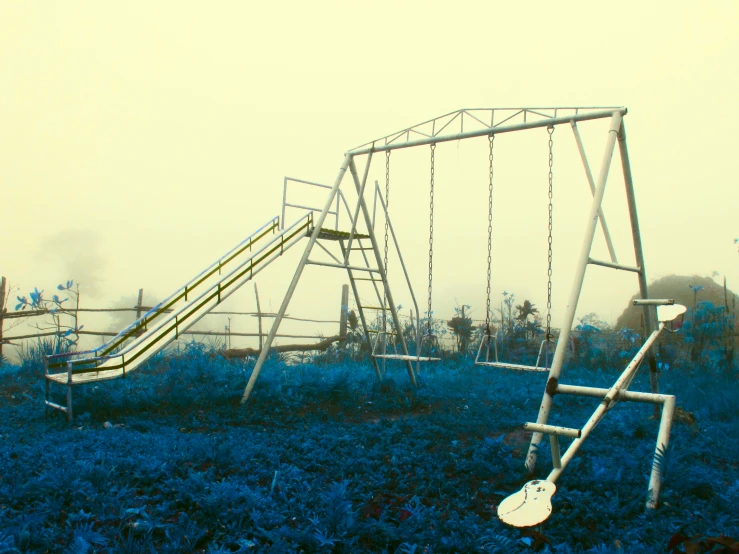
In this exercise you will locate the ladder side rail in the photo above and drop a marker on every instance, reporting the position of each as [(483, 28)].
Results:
[(360, 196), (378, 258), (353, 283)]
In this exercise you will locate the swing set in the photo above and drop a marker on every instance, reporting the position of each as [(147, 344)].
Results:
[(531, 505)]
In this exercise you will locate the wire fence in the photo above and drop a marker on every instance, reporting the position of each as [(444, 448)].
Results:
[(139, 309)]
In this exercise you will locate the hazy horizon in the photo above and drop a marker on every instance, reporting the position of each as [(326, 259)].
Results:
[(142, 141)]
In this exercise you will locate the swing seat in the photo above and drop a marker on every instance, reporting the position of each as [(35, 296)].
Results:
[(529, 506), (518, 367), (505, 365), (409, 357), (404, 357)]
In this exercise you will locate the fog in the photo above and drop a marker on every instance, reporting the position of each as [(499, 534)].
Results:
[(139, 142)]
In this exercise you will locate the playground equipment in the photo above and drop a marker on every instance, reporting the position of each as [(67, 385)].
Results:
[(160, 326), (489, 337), (532, 504), (529, 505)]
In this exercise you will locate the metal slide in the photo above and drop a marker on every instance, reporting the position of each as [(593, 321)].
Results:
[(174, 315)]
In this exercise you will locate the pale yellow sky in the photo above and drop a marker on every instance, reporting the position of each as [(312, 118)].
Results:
[(139, 141)]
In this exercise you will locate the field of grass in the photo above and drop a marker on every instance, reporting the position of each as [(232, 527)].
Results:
[(324, 458)]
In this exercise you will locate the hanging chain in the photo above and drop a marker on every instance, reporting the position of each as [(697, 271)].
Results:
[(550, 130), (431, 234), (387, 225), (491, 138)]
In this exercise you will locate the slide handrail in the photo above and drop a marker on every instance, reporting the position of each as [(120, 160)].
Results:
[(215, 289)]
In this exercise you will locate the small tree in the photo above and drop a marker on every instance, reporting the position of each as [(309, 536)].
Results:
[(63, 342), (461, 327), (527, 325)]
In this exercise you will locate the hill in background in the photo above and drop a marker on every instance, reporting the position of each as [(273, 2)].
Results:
[(677, 287)]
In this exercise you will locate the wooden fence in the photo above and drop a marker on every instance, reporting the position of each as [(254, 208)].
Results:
[(140, 309)]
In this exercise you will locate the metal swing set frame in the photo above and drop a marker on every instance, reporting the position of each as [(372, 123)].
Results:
[(531, 505)]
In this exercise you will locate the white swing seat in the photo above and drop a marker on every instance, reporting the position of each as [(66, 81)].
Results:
[(505, 365), (518, 367), (408, 357), (403, 357)]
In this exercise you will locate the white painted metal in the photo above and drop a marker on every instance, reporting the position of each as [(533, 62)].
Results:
[(294, 283), (653, 301), (383, 274), (378, 195), (597, 392), (638, 251), (356, 211), (589, 175), (342, 266), (606, 404), (569, 317), (486, 339), (435, 137), (523, 509), (553, 430), (591, 261), (663, 437), (529, 506), (96, 368), (668, 313)]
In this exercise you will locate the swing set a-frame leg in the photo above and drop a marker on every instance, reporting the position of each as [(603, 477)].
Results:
[(294, 283), (559, 353)]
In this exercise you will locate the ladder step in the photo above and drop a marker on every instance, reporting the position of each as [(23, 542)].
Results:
[(362, 248), (333, 234), (382, 332), (553, 430), (374, 308), (342, 266), (368, 279)]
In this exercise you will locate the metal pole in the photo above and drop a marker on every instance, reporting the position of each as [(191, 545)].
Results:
[(378, 257), (355, 219), (362, 318), (291, 289), (559, 353), (493, 131), (665, 425), (69, 391), (639, 254), (606, 404), (601, 215), (284, 199)]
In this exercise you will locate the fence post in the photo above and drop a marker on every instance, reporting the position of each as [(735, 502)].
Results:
[(2, 313), (139, 304), (259, 316), (344, 310)]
